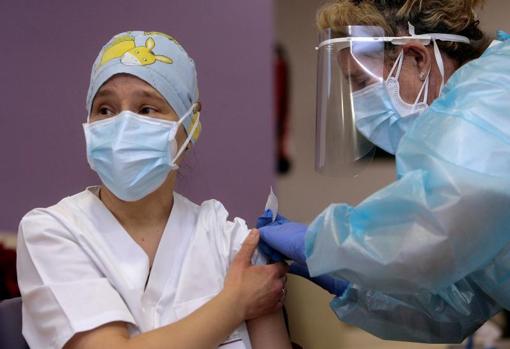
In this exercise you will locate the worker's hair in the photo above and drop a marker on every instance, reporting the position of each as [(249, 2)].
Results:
[(428, 16)]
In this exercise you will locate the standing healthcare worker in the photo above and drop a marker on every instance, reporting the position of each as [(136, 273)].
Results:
[(131, 263), (428, 257)]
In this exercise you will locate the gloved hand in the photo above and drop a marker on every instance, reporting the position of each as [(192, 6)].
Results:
[(330, 283), (281, 239), (265, 220)]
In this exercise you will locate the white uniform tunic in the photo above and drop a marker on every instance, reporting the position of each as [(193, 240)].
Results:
[(78, 269)]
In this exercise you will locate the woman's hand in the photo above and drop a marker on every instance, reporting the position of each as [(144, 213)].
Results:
[(256, 289)]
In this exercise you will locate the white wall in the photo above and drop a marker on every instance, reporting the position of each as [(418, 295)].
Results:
[(495, 15)]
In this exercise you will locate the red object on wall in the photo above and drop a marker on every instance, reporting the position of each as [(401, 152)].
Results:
[(281, 105)]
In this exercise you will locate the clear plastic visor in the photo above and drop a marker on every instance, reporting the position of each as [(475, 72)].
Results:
[(349, 60)]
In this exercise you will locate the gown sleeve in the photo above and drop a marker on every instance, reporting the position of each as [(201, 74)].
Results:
[(62, 290), (424, 244), (447, 316)]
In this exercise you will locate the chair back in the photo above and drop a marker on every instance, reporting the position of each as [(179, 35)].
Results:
[(10, 324)]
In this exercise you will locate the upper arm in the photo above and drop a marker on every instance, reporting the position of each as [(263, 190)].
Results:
[(63, 291), (269, 332)]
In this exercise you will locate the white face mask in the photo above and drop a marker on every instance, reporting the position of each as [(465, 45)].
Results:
[(382, 116), (133, 154)]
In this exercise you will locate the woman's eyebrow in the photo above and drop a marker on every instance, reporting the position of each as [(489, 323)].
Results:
[(104, 93)]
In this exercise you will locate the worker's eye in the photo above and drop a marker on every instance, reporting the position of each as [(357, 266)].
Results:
[(360, 82), (147, 110), (363, 83)]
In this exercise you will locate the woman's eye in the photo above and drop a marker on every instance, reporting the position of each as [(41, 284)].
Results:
[(147, 110), (105, 111)]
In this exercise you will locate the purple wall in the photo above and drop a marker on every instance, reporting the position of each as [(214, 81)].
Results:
[(48, 49)]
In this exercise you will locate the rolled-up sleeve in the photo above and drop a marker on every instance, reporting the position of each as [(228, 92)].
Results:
[(237, 231), (63, 290), (230, 234)]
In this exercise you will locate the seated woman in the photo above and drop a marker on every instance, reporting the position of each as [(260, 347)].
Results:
[(131, 263)]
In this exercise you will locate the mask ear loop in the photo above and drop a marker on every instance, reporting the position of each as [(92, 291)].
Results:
[(424, 90), (193, 129), (397, 67), (440, 64)]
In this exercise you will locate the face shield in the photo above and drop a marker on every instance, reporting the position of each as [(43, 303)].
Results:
[(353, 64), (344, 67)]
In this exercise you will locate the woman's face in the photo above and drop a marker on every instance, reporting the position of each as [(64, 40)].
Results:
[(125, 92)]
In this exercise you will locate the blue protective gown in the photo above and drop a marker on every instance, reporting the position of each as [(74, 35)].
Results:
[(429, 255)]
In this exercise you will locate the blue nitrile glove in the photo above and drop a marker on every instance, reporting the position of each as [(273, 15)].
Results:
[(282, 239), (265, 220), (330, 283), (295, 232)]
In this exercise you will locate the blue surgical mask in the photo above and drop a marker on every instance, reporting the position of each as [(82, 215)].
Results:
[(133, 154), (381, 114)]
